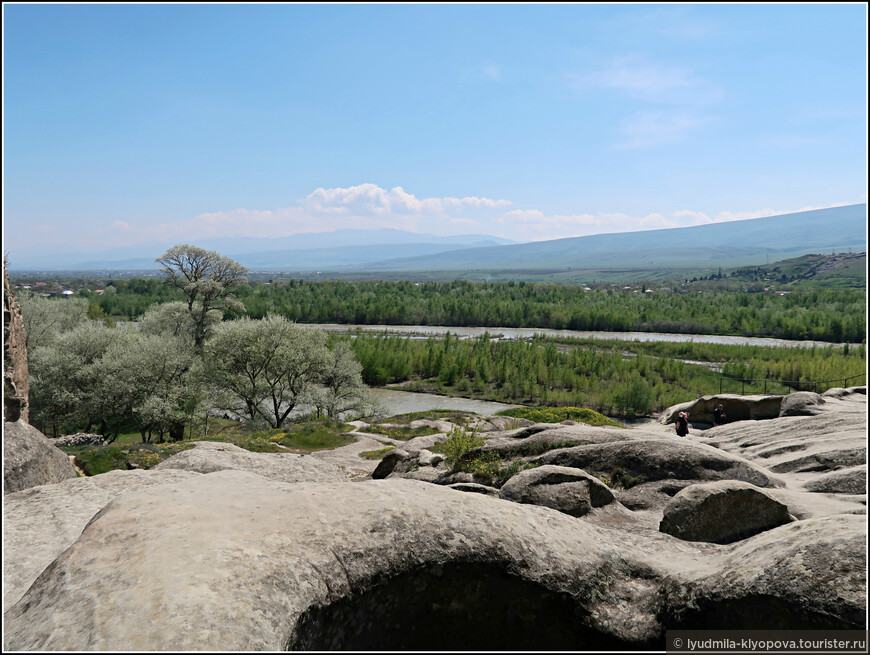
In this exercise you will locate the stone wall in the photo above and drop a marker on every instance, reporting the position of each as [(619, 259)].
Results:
[(16, 389)]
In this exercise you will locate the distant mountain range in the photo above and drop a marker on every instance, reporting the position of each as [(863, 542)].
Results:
[(731, 243), (727, 244), (300, 252)]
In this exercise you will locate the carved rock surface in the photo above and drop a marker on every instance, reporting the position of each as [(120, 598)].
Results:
[(40, 523), (737, 408), (16, 385), (31, 459), (232, 561), (568, 490), (722, 512)]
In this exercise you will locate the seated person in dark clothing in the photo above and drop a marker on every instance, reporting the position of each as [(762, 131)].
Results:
[(719, 415), (682, 424)]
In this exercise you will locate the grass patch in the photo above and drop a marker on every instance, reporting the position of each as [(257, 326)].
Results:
[(316, 435), (490, 469), (94, 460), (376, 454), (128, 451), (618, 477), (559, 414), (401, 432)]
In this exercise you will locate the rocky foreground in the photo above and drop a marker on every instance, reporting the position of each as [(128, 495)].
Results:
[(604, 539)]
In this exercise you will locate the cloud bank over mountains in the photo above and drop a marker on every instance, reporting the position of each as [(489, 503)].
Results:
[(369, 206)]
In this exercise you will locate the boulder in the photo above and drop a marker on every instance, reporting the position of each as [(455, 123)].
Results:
[(428, 458), (233, 561), (31, 459), (80, 439), (460, 477), (211, 456), (508, 422), (425, 474), (568, 490), (40, 523), (801, 403), (650, 495), (722, 512), (851, 480), (645, 460)]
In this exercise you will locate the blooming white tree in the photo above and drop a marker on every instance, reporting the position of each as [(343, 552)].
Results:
[(267, 368), (46, 318), (207, 280)]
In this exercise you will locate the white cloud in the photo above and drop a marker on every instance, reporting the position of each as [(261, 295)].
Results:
[(657, 128), (654, 82), (370, 199), (491, 71), (687, 95)]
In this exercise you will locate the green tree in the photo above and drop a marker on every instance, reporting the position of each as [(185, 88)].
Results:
[(343, 389), (265, 368)]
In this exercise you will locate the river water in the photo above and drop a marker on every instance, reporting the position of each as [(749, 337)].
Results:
[(425, 331), (404, 402)]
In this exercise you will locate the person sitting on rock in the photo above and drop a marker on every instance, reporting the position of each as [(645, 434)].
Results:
[(719, 415), (682, 424)]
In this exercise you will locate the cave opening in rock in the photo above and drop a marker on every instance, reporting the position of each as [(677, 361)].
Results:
[(457, 606)]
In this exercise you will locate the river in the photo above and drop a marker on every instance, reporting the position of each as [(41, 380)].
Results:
[(425, 331)]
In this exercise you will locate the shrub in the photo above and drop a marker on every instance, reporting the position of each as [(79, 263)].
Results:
[(559, 414), (458, 444)]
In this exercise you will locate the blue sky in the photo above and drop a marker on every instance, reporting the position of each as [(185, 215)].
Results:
[(128, 124)]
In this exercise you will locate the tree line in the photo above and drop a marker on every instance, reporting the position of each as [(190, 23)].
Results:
[(821, 314), (612, 377), (183, 361)]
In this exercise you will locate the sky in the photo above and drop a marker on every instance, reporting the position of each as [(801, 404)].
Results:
[(141, 123)]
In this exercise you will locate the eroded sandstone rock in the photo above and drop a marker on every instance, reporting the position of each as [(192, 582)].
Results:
[(737, 408), (801, 403), (232, 561), (568, 490), (645, 460), (722, 512), (851, 480)]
